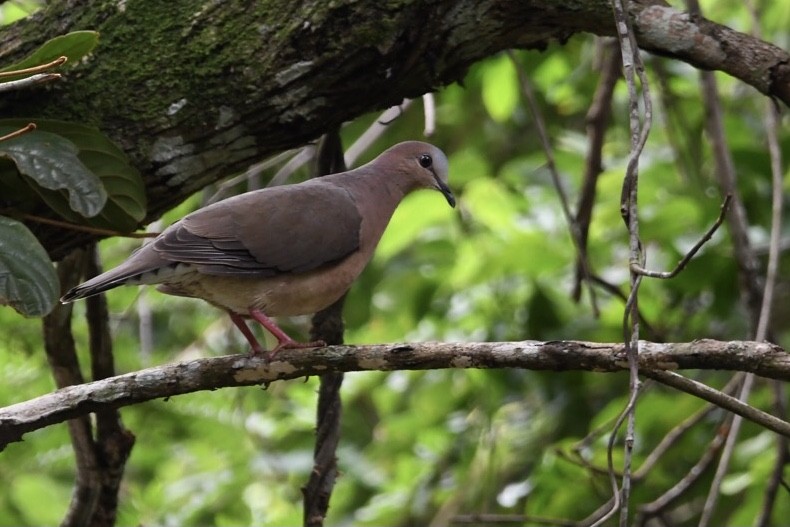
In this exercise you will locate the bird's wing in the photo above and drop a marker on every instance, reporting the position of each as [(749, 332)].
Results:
[(281, 230)]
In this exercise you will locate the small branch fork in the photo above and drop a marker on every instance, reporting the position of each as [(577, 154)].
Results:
[(37, 76), (573, 225), (637, 268)]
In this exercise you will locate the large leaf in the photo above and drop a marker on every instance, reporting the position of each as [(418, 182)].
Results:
[(52, 162), (74, 45), (28, 282), (126, 199)]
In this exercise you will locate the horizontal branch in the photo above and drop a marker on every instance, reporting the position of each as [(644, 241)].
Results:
[(761, 358)]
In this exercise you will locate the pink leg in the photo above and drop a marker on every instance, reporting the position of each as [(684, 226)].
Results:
[(247, 332), (283, 340)]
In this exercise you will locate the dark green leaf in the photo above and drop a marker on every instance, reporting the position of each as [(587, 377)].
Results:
[(126, 199), (28, 282), (51, 161)]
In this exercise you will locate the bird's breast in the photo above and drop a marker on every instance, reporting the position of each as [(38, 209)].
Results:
[(286, 294)]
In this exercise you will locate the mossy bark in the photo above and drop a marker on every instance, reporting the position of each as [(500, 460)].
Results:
[(196, 90)]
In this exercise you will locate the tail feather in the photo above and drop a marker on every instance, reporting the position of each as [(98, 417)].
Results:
[(98, 284), (133, 271)]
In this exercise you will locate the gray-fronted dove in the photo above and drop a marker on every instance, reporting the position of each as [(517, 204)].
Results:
[(281, 251)]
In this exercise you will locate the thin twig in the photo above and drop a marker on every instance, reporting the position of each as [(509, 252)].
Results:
[(35, 69), (726, 455), (658, 505), (429, 109), (302, 157), (640, 130), (374, 131), (16, 133), (27, 82), (782, 455), (255, 170), (76, 227), (597, 120), (548, 151), (689, 255), (720, 399)]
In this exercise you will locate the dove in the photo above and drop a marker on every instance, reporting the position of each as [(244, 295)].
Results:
[(281, 251)]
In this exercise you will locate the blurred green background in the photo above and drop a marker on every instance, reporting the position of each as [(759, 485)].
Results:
[(419, 448)]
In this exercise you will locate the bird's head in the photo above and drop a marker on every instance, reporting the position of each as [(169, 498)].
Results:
[(424, 163)]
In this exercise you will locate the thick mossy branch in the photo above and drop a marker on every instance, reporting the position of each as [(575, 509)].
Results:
[(761, 358), (195, 91)]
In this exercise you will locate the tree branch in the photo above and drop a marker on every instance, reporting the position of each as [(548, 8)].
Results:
[(184, 131), (761, 358)]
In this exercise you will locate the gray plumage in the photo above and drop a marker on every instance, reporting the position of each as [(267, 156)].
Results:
[(288, 250)]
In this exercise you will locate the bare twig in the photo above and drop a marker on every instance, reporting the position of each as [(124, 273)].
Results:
[(254, 171), (597, 120), (540, 127), (35, 69), (726, 454), (629, 211), (302, 157), (76, 227), (374, 131), (429, 109), (28, 82), (719, 399), (782, 458), (16, 133), (635, 267), (658, 505)]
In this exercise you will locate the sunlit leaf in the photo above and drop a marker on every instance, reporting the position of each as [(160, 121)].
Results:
[(500, 89)]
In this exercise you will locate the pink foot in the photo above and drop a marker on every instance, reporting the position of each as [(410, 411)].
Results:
[(283, 340)]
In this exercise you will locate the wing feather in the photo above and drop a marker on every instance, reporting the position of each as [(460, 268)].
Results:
[(290, 229)]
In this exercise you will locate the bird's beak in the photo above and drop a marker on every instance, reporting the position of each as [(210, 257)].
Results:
[(444, 189)]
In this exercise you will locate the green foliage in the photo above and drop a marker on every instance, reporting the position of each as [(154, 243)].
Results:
[(74, 46), (51, 162), (71, 168), (105, 170), (28, 282), (421, 447)]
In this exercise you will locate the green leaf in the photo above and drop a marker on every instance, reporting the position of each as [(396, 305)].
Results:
[(126, 199), (74, 45), (500, 89), (28, 282), (51, 161)]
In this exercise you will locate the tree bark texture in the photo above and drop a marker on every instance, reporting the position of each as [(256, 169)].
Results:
[(194, 91), (762, 358)]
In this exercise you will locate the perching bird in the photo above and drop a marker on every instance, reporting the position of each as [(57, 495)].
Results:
[(281, 251)]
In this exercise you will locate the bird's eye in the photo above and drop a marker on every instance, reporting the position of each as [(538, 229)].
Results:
[(426, 161)]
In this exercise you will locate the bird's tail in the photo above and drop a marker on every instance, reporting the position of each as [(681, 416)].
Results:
[(99, 284)]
